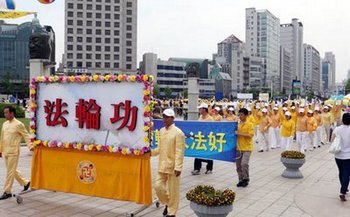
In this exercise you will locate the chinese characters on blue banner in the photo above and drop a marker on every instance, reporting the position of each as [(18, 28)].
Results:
[(209, 140)]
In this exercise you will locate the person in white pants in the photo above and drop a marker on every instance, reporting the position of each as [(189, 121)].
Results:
[(263, 132), (318, 135), (287, 131), (311, 129), (274, 132), (301, 131)]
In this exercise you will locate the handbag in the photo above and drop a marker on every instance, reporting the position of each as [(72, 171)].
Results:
[(335, 146)]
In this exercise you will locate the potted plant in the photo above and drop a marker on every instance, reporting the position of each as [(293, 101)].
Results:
[(292, 160), (208, 202)]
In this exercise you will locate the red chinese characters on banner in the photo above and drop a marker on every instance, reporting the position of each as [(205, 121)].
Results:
[(88, 113), (55, 109), (128, 111)]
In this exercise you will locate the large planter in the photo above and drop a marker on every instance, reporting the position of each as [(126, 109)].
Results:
[(292, 168), (211, 211)]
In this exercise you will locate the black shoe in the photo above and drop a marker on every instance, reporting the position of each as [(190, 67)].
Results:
[(165, 212), (5, 196), (245, 183), (208, 172), (26, 187), (261, 151), (240, 184), (170, 215)]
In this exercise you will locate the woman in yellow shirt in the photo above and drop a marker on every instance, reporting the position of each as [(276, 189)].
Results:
[(287, 131)]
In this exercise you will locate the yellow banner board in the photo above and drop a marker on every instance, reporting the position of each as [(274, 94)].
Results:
[(14, 14), (106, 175)]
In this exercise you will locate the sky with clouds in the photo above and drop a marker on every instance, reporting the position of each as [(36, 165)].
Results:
[(192, 28)]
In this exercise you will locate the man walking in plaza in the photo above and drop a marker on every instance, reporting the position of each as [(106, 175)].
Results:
[(263, 132), (11, 133), (245, 134), (171, 154), (204, 116)]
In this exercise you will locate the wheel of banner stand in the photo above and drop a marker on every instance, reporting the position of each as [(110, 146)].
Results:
[(19, 199)]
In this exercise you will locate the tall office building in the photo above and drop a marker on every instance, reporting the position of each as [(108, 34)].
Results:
[(230, 57), (292, 41), (14, 54), (101, 35), (263, 40), (348, 77), (330, 58), (285, 69), (312, 70)]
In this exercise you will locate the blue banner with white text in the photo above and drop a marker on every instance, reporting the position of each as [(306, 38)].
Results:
[(207, 140)]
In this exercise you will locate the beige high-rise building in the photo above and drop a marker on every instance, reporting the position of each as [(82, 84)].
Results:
[(292, 42), (100, 36)]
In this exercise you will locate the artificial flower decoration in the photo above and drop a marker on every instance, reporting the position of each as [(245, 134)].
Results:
[(121, 149)]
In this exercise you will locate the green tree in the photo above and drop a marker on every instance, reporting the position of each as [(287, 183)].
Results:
[(185, 94), (156, 91), (347, 87), (168, 92), (7, 86)]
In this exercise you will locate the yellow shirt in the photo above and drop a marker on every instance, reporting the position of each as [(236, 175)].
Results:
[(318, 119), (206, 118), (232, 118), (275, 120), (171, 150), (264, 124), (245, 143), (10, 138), (301, 124), (311, 124), (326, 118), (217, 117), (250, 119), (288, 128)]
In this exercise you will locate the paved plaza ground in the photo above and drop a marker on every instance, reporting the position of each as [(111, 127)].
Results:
[(268, 194)]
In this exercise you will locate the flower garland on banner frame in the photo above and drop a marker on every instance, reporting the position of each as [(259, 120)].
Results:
[(147, 80)]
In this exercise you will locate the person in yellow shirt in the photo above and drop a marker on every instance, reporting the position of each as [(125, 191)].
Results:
[(230, 115), (216, 116), (11, 133), (204, 116), (327, 122), (311, 129), (263, 132), (171, 151), (319, 129), (287, 131), (301, 130), (274, 130), (245, 146)]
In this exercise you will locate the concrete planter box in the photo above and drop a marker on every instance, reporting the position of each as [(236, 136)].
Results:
[(292, 167), (211, 211)]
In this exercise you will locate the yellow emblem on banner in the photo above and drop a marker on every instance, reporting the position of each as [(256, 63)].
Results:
[(86, 172), (5, 14)]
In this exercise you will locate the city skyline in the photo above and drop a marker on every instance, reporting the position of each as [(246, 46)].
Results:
[(162, 31)]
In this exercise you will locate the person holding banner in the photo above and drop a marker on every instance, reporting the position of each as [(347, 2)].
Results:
[(11, 133), (245, 134), (204, 116), (171, 151)]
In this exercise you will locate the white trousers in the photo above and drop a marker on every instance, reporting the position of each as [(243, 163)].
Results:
[(318, 136), (263, 140), (302, 141), (275, 138), (287, 143)]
